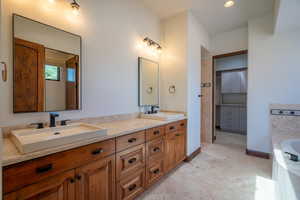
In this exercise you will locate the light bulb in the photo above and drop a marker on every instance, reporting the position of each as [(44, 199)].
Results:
[(75, 11), (51, 1), (75, 6), (159, 49), (153, 48), (229, 4)]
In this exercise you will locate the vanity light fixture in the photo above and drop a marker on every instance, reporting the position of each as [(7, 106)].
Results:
[(75, 7), (152, 44), (229, 3)]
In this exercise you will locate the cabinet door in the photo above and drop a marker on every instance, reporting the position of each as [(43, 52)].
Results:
[(96, 180), (59, 187), (29, 59), (180, 151), (243, 113), (231, 82), (170, 156), (244, 81), (230, 118)]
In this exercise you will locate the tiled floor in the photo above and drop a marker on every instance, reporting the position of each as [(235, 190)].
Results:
[(221, 172)]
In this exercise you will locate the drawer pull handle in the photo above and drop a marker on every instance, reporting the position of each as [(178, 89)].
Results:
[(78, 177), (132, 160), (172, 127), (132, 187), (177, 134), (44, 169), (132, 140), (72, 180), (97, 151), (182, 124), (156, 171), (156, 149), (156, 132)]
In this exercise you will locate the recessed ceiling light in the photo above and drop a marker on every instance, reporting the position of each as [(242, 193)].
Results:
[(228, 4)]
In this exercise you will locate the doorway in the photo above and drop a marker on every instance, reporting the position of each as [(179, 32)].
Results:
[(230, 94), (206, 97)]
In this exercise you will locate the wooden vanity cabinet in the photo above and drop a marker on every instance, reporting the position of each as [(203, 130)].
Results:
[(96, 180), (175, 144), (132, 186), (66, 175), (59, 187), (115, 169), (129, 161)]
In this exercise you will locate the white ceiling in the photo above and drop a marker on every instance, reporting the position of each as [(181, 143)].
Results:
[(211, 13)]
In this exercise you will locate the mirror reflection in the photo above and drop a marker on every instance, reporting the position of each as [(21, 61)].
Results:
[(148, 82), (46, 67)]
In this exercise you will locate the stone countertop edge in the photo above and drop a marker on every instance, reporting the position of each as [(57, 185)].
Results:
[(12, 156)]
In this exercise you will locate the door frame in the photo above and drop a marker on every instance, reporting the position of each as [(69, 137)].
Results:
[(235, 53), (207, 137)]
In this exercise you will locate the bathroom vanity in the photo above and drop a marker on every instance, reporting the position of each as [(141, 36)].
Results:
[(115, 159), (121, 166)]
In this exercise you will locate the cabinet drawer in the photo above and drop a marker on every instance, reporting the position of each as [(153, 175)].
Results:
[(175, 126), (155, 149), (154, 171), (182, 124), (130, 160), (154, 133), (172, 127), (132, 186), (25, 173), (131, 140)]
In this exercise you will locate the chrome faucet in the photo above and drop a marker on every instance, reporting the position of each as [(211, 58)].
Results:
[(52, 119)]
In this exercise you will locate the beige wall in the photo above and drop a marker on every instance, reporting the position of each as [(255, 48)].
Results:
[(273, 75), (173, 66), (111, 32), (49, 37), (183, 37), (231, 41), (55, 91)]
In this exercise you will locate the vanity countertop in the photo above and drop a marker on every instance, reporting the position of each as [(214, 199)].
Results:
[(114, 129)]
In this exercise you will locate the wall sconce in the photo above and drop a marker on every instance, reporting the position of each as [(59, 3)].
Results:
[(152, 44), (75, 7)]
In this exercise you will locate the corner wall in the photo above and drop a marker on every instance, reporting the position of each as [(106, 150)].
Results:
[(197, 36), (173, 63), (183, 37), (273, 77)]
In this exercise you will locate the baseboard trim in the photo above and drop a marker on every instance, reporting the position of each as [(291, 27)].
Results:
[(258, 154), (193, 155)]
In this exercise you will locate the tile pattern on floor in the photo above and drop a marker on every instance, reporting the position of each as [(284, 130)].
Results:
[(221, 172)]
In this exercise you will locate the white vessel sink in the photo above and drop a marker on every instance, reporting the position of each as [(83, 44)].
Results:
[(164, 116), (31, 140), (291, 146)]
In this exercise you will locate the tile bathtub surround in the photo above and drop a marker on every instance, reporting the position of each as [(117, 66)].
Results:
[(114, 128), (286, 172)]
